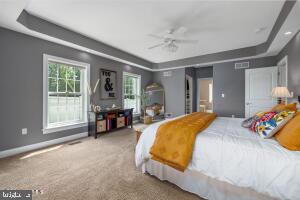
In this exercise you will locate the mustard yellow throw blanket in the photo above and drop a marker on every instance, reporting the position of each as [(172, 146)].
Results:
[(174, 142)]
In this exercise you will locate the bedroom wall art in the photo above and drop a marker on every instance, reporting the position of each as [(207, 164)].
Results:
[(108, 86)]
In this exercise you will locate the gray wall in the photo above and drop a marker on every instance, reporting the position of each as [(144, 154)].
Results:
[(231, 82), (204, 72), (292, 50), (21, 85), (174, 90)]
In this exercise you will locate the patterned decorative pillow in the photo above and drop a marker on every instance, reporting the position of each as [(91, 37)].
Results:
[(262, 116), (247, 123), (271, 123)]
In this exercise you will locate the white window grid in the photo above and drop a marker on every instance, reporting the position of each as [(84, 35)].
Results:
[(131, 91)]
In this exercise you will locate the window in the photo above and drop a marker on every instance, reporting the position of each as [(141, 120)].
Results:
[(132, 92), (65, 94)]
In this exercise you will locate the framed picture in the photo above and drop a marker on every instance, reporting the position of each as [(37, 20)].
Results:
[(108, 84)]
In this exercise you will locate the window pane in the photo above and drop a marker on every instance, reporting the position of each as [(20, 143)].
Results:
[(77, 86), (70, 85), (77, 73), (77, 107), (52, 70), (134, 86), (130, 102), (52, 83), (131, 87), (62, 71), (65, 97), (70, 108), (61, 85), (70, 73), (52, 109), (62, 114)]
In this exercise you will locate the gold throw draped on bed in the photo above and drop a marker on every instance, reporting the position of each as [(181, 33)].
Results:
[(174, 142)]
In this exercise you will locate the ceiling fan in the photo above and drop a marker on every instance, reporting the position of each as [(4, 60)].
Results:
[(170, 40)]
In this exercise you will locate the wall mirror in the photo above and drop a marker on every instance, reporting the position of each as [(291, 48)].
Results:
[(154, 105)]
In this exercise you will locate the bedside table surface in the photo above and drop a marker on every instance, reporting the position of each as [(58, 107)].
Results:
[(140, 127)]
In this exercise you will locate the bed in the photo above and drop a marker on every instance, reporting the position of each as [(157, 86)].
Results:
[(229, 162)]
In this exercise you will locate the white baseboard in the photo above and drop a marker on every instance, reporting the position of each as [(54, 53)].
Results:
[(18, 150)]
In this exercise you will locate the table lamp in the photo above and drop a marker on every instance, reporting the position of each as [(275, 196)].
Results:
[(280, 93)]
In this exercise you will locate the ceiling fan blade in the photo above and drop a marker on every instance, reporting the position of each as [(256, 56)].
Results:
[(158, 45), (182, 41), (156, 36)]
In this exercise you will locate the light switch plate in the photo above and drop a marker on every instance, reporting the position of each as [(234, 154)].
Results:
[(24, 131), (223, 95)]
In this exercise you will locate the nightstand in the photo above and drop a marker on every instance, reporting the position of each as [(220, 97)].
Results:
[(139, 128)]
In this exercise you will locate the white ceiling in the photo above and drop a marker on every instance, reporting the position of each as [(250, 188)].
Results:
[(218, 25)]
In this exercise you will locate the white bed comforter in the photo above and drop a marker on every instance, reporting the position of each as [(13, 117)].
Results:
[(228, 152)]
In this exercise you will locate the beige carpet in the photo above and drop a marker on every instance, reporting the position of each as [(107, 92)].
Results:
[(93, 169)]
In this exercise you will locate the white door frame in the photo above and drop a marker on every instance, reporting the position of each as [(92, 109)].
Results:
[(284, 62), (190, 80), (198, 92)]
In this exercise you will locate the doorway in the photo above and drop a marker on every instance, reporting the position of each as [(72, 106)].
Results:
[(205, 95)]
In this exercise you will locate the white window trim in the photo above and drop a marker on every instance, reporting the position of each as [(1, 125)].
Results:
[(66, 125), (139, 90)]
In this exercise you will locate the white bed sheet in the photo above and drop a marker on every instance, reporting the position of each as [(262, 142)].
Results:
[(230, 153)]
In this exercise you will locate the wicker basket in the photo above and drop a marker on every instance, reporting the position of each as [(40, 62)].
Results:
[(147, 120)]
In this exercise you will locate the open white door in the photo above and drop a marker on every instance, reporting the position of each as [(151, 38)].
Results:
[(259, 84)]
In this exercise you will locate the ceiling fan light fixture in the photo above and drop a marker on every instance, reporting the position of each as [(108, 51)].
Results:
[(171, 47), (170, 41)]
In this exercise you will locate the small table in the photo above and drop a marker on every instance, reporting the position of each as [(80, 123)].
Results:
[(106, 121)]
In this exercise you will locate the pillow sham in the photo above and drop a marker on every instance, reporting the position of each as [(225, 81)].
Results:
[(263, 116), (282, 107), (289, 135), (248, 122), (270, 123)]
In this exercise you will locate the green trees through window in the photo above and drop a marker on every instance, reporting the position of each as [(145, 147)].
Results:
[(131, 92), (64, 92)]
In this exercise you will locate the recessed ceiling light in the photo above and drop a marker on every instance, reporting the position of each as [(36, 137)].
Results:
[(288, 33), (259, 30)]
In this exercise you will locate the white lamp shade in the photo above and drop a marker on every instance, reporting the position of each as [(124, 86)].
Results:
[(281, 92)]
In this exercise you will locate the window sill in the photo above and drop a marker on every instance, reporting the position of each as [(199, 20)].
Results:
[(63, 127)]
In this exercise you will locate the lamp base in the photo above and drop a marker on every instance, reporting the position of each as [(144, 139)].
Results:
[(281, 101)]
